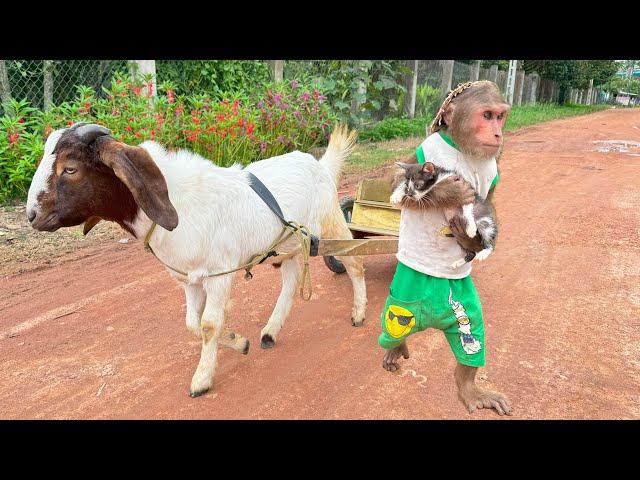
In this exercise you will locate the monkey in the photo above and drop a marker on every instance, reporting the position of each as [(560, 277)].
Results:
[(466, 137)]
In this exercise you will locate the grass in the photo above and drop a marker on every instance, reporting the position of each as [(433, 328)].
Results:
[(377, 148)]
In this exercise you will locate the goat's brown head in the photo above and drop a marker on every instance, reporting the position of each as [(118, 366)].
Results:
[(86, 176)]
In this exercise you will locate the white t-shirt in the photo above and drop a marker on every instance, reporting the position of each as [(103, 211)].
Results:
[(423, 244)]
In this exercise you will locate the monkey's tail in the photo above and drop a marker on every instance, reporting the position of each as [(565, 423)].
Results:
[(341, 145)]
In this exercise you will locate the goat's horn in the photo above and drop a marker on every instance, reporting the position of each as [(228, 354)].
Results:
[(89, 132)]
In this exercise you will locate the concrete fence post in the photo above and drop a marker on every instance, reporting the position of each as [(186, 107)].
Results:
[(519, 87), (277, 70), (5, 88), (535, 81), (138, 68), (493, 73), (475, 71), (447, 77), (47, 70), (411, 84)]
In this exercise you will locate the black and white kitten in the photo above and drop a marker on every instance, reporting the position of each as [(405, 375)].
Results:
[(413, 190)]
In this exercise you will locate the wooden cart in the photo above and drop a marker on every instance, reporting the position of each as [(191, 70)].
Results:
[(368, 215)]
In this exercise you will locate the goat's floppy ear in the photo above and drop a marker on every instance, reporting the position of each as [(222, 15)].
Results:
[(89, 223), (137, 170)]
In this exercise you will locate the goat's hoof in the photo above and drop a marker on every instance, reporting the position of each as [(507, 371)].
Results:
[(267, 341), (358, 323), (246, 348), (197, 393)]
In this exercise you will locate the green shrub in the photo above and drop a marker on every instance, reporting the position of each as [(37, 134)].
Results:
[(275, 119)]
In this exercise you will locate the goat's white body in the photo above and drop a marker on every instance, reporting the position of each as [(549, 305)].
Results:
[(222, 221)]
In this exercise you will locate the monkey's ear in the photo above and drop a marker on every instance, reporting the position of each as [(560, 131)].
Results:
[(447, 116), (429, 167)]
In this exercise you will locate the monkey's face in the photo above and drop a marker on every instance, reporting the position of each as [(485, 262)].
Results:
[(487, 124)]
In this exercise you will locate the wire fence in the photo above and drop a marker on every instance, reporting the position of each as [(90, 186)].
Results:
[(352, 85), (50, 82)]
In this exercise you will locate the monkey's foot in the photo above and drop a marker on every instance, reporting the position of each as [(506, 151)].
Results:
[(477, 398), (390, 360)]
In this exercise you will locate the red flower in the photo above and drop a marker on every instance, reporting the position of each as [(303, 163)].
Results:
[(69, 123), (170, 96), (138, 135), (149, 89), (250, 128), (179, 110), (129, 128), (221, 117), (137, 91), (21, 120), (13, 139), (236, 103)]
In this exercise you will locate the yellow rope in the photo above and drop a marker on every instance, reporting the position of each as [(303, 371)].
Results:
[(304, 237)]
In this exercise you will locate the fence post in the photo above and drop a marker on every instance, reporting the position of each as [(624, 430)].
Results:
[(475, 71), (589, 92), (5, 89), (519, 88), (493, 73), (47, 69), (141, 67), (277, 70), (411, 83), (535, 79), (447, 77), (511, 81)]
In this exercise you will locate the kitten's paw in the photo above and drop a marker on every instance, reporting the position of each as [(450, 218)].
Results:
[(480, 256), (458, 264), (396, 198)]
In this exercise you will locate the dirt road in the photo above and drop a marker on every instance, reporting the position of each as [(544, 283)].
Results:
[(101, 333)]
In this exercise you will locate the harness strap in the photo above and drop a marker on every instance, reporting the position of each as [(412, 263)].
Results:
[(305, 238)]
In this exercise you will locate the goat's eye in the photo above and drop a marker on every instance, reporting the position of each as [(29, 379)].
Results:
[(70, 170)]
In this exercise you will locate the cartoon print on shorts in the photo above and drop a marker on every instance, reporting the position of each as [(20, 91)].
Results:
[(469, 343), (399, 321)]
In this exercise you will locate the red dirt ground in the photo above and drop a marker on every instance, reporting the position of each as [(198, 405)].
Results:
[(101, 333)]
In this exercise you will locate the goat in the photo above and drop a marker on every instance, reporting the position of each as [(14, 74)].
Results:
[(209, 219)]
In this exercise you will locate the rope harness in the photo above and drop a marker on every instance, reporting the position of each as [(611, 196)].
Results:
[(308, 242)]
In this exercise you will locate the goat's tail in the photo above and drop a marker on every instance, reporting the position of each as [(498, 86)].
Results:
[(341, 144)]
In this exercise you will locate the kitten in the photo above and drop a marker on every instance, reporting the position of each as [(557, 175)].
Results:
[(413, 189)]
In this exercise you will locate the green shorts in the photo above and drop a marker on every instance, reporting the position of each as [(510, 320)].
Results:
[(418, 301)]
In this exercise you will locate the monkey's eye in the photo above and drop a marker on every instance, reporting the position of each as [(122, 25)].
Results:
[(70, 170), (487, 115), (419, 184), (501, 116)]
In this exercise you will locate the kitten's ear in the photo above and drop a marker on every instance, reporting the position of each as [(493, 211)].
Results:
[(404, 166), (429, 167)]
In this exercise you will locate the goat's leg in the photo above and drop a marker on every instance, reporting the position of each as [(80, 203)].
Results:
[(290, 281), (218, 290), (196, 298), (335, 226)]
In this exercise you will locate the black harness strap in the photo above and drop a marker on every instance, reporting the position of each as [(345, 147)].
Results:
[(268, 198)]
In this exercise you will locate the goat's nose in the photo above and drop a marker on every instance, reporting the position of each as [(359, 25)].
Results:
[(31, 215)]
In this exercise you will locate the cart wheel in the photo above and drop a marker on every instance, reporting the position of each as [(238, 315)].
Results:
[(333, 264)]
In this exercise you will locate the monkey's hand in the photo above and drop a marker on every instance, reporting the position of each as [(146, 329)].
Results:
[(458, 227), (453, 191)]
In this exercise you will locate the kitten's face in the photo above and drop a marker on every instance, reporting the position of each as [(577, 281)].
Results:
[(418, 179)]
